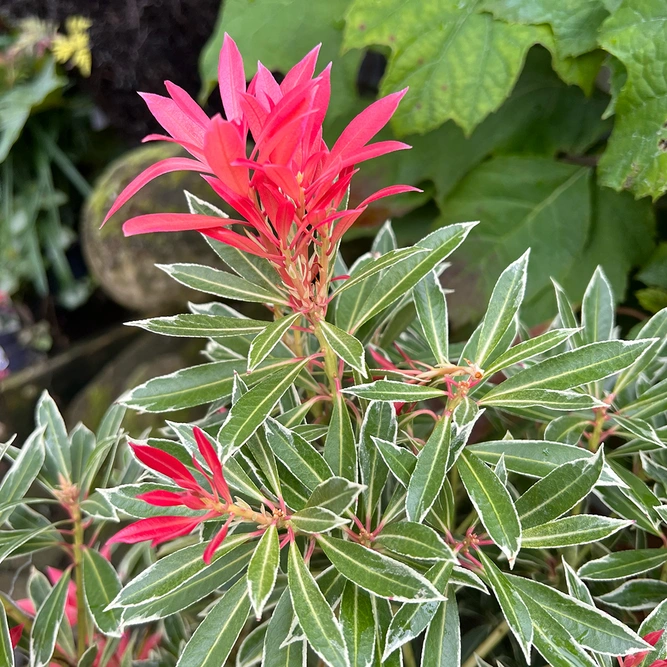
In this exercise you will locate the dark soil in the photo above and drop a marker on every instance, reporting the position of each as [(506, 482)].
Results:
[(136, 45)]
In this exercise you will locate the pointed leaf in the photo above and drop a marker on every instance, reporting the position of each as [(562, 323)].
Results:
[(400, 461), (623, 564), (55, 438), (275, 653), (442, 643), (597, 309), (263, 569), (263, 344), (101, 585), (201, 326), (358, 623), (47, 623), (346, 346), (414, 540), (214, 639), (317, 621), (504, 304), (335, 494), (340, 450), (6, 649), (392, 390), (493, 504), (570, 531), (431, 308), (376, 573), (316, 520)]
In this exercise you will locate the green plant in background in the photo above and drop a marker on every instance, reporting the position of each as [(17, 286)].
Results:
[(544, 119), (41, 129)]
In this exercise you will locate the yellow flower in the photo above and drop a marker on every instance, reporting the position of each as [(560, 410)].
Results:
[(75, 46)]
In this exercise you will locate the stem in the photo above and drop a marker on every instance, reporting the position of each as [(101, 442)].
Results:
[(81, 611), (330, 360), (594, 440), (488, 644)]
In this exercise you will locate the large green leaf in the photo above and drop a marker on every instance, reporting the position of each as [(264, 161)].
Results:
[(393, 390), (335, 494), (275, 653), (263, 344), (493, 504), (101, 585), (414, 540), (597, 309), (570, 224), (559, 491), (445, 52), (636, 595), (378, 574), (575, 23), (636, 158), (316, 618), (47, 623), (56, 441), (214, 638), (345, 346), (259, 29)]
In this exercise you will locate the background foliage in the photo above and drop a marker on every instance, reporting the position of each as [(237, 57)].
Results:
[(545, 120)]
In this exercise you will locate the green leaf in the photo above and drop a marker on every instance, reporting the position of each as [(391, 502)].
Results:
[(546, 398), (316, 520), (254, 407), (220, 283), (263, 569), (23, 472), (300, 457), (392, 390), (183, 591), (214, 638), (252, 646), (201, 326), (505, 301), (591, 628), (518, 197), (6, 650), (636, 595), (553, 641), (559, 491), (427, 478), (442, 643), (597, 309), (566, 314), (493, 504), (101, 585), (275, 653), (575, 24), (529, 348), (623, 564), (169, 573), (395, 282), (411, 619), (185, 388), (380, 419), (431, 46), (316, 618), (635, 158), (47, 623), (345, 346), (378, 264), (573, 368), (263, 344), (570, 531), (514, 610), (414, 540), (431, 306), (376, 573), (56, 441), (335, 494), (358, 623), (400, 461), (340, 450)]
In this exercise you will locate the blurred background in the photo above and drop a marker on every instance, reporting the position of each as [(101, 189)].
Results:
[(543, 127)]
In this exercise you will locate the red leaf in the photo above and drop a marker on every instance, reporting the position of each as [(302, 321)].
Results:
[(223, 144), (165, 464), (231, 78), (173, 222), (157, 529)]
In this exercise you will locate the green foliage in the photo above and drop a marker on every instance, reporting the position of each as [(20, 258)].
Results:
[(508, 115)]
